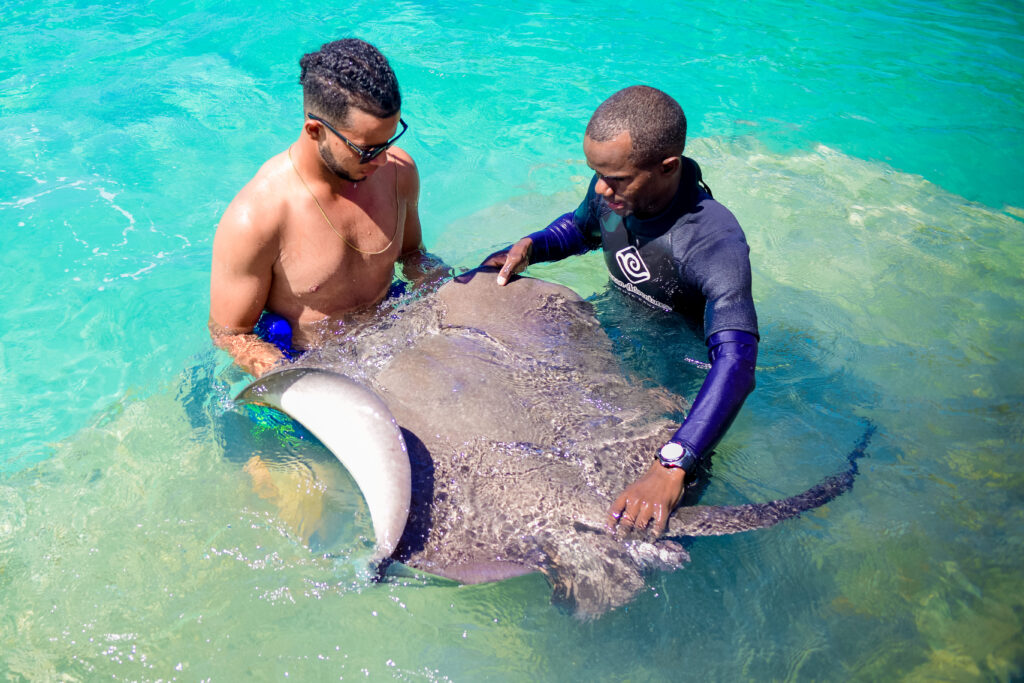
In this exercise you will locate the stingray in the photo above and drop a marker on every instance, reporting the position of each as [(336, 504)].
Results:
[(489, 429)]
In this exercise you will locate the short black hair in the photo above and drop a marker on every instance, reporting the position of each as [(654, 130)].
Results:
[(348, 73), (656, 123)]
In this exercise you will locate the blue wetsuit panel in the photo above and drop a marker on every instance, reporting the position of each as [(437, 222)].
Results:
[(275, 329), (733, 356)]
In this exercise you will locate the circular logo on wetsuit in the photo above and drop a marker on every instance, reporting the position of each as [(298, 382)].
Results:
[(631, 265)]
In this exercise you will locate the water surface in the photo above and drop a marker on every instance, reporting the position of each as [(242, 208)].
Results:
[(873, 157)]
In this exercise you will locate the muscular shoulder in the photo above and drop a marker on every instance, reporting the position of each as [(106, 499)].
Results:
[(258, 211), (408, 175), (716, 258), (248, 237), (712, 217)]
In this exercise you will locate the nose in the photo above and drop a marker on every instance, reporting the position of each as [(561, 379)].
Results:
[(374, 164), (603, 188)]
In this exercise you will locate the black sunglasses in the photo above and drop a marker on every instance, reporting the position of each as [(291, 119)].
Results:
[(365, 155)]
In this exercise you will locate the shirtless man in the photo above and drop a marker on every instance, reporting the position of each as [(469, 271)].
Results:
[(317, 232)]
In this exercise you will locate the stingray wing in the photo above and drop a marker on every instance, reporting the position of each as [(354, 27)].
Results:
[(356, 426)]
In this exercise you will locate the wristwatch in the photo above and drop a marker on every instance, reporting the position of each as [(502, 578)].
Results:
[(675, 454)]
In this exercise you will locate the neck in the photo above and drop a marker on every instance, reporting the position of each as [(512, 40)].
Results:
[(665, 197), (305, 155)]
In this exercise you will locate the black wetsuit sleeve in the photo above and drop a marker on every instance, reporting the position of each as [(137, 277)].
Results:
[(730, 305), (733, 356), (572, 233)]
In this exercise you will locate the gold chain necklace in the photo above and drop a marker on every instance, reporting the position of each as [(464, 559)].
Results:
[(324, 214)]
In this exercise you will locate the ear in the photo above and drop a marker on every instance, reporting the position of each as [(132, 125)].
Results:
[(670, 165), (313, 129)]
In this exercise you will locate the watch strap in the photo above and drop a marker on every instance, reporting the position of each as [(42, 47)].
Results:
[(689, 459)]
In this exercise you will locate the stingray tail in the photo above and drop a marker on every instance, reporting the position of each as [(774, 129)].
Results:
[(702, 520)]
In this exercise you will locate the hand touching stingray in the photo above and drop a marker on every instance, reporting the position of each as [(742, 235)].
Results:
[(648, 502)]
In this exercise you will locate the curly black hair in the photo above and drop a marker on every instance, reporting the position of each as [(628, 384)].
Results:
[(655, 122), (345, 73)]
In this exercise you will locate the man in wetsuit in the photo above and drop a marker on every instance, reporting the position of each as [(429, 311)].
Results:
[(668, 243), (317, 232)]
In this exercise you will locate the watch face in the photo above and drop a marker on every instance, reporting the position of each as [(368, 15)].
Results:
[(671, 452)]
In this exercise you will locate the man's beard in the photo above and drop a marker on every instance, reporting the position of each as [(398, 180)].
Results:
[(333, 166)]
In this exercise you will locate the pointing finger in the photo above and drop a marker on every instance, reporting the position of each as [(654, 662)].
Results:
[(513, 264), (505, 272)]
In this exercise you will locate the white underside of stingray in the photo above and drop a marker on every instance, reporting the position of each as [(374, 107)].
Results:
[(358, 428)]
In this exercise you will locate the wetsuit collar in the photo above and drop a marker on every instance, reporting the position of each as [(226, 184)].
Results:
[(686, 197)]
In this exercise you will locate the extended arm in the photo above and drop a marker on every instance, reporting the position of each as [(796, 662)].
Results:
[(733, 356), (562, 237)]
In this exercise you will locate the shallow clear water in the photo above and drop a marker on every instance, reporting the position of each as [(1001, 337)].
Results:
[(872, 156)]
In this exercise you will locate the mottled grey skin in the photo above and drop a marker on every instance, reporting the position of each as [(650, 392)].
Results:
[(522, 428)]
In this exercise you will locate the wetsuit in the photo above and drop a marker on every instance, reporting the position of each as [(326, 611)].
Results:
[(692, 258)]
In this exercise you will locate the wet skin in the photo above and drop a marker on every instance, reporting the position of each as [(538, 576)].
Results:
[(275, 250)]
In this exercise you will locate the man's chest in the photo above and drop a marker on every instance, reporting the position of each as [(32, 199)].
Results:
[(336, 268)]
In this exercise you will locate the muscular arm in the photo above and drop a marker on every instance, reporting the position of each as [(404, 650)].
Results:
[(409, 198), (418, 265), (244, 250)]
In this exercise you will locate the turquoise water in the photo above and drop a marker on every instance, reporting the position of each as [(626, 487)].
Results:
[(873, 156)]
